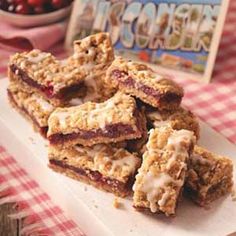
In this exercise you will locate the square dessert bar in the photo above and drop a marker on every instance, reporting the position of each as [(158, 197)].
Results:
[(141, 81), (40, 72), (210, 176), (94, 53), (105, 167), (33, 107), (160, 179), (180, 118), (114, 120)]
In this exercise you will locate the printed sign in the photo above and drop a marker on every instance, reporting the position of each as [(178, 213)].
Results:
[(179, 36)]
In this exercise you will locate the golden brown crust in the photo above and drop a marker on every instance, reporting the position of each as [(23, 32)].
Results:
[(112, 163), (94, 53), (105, 120), (210, 176), (45, 69), (141, 81), (176, 119), (33, 104), (84, 179), (161, 177)]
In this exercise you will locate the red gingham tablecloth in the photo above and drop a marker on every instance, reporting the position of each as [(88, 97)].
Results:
[(214, 103)]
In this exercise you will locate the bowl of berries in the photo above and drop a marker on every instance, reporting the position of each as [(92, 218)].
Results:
[(30, 13)]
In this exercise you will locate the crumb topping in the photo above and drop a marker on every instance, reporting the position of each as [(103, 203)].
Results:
[(94, 51), (46, 70), (162, 173), (207, 169), (112, 162), (176, 119), (118, 109), (34, 104), (143, 74)]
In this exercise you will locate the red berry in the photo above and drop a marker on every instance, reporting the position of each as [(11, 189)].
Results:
[(57, 4), (11, 8), (23, 8), (39, 10), (36, 3)]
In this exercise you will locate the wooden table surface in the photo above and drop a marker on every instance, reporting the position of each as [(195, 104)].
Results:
[(8, 227)]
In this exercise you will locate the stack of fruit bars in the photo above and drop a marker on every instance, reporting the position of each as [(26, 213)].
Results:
[(39, 83), (118, 125), (84, 142)]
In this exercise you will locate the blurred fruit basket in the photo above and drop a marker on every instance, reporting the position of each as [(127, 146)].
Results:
[(27, 13)]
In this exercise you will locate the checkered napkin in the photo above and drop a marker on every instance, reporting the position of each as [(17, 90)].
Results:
[(215, 103), (40, 215)]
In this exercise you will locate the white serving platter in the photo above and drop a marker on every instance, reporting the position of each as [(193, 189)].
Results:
[(93, 209)]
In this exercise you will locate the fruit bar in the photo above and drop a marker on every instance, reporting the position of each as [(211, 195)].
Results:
[(161, 177), (114, 120), (141, 81), (176, 119), (40, 72), (94, 53), (210, 176), (105, 167), (33, 107)]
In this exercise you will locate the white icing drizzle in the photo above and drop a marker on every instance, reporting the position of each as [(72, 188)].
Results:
[(162, 123), (101, 158), (46, 106), (36, 59), (96, 115), (152, 185), (163, 199), (176, 140), (158, 120), (101, 112), (76, 101), (126, 162), (62, 115)]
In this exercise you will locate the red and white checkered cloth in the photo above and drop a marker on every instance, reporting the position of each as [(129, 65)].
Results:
[(215, 103), (41, 215)]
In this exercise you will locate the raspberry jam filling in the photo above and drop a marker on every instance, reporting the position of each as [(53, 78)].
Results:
[(127, 80), (110, 131), (96, 177), (48, 89)]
